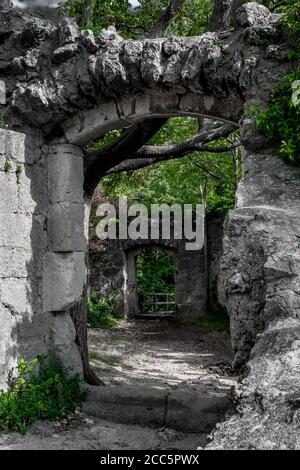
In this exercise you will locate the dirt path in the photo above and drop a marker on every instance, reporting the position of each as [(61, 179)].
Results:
[(157, 354)]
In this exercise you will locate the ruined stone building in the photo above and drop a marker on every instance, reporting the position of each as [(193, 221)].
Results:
[(65, 89)]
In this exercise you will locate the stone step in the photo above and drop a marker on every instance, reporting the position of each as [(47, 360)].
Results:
[(182, 409)]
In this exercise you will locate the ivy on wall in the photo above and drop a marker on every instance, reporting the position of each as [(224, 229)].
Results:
[(281, 121)]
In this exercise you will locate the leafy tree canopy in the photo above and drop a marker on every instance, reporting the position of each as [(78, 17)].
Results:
[(138, 22), (179, 181)]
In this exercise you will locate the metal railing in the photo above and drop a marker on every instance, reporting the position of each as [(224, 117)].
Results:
[(157, 303)]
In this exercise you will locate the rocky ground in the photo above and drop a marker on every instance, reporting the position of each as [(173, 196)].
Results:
[(156, 355)]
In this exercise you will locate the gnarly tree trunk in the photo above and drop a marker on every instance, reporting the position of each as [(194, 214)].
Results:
[(224, 10), (166, 16), (87, 13), (79, 316)]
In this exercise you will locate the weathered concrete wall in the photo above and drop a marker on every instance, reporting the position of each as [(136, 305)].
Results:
[(191, 282), (107, 271), (22, 213), (40, 276)]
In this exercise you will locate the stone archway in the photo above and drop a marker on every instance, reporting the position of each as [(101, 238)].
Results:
[(190, 278), (112, 272), (84, 88)]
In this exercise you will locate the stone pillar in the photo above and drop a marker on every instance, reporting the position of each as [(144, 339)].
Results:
[(191, 282), (131, 287), (42, 248), (64, 265)]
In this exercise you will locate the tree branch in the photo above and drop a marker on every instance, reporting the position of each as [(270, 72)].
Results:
[(149, 155), (206, 170), (97, 164), (196, 143)]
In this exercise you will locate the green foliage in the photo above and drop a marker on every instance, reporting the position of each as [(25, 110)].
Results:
[(105, 13), (155, 272), (179, 181), (101, 312), (42, 389), (192, 19), (281, 121), (133, 23), (107, 139)]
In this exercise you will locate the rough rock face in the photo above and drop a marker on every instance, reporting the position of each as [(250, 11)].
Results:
[(261, 269), (53, 73)]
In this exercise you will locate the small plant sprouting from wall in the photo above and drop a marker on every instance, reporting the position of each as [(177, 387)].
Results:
[(7, 166), (281, 121), (42, 389)]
